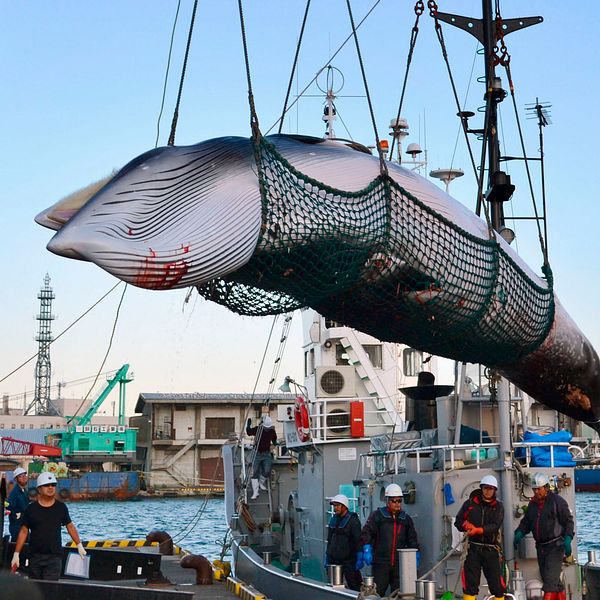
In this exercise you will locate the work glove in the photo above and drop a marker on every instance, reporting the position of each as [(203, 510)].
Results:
[(368, 554), (568, 549), (326, 562), (18, 515), (467, 526), (519, 535), (81, 550), (360, 563), (14, 563), (475, 531)]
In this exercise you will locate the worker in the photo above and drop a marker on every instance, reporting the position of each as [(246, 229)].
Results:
[(549, 518), (43, 519), (387, 530), (264, 435), (343, 541), (481, 517), (17, 502)]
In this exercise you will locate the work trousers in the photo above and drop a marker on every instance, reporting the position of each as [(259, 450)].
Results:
[(263, 462), (45, 566), (486, 559), (550, 563), (353, 577), (386, 575)]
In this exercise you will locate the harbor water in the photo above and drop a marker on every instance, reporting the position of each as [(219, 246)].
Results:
[(199, 526)]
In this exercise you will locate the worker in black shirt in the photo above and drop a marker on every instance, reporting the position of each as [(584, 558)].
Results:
[(264, 434), (549, 518), (44, 519)]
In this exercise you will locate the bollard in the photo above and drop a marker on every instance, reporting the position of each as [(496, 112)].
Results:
[(429, 590), (369, 580), (592, 557), (407, 569), (235, 522), (296, 568), (420, 589), (266, 558), (336, 576)]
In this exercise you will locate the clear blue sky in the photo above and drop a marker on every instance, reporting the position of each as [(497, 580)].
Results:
[(81, 92)]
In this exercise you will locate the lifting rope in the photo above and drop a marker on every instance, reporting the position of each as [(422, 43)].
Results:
[(171, 141), (289, 89)]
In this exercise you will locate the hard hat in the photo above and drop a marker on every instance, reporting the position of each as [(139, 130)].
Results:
[(267, 421), (539, 480), (393, 491), (342, 499), (489, 480), (19, 471), (45, 479)]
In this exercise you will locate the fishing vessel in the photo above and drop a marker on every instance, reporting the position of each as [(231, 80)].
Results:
[(343, 434)]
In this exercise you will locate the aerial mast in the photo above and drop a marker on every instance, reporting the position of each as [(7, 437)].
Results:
[(41, 404)]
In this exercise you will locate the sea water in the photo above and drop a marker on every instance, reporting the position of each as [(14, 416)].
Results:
[(198, 525)]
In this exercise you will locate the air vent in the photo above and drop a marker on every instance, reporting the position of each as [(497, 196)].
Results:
[(335, 382)]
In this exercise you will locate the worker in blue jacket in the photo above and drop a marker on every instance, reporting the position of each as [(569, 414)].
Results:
[(18, 499), (343, 541), (549, 518), (386, 531)]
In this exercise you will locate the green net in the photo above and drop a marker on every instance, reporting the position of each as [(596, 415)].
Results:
[(383, 262)]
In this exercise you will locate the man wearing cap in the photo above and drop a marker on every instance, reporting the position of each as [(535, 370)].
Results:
[(386, 531), (549, 518), (43, 519), (343, 541), (18, 499), (480, 517), (264, 434)]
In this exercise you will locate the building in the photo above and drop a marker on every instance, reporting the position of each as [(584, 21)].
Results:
[(180, 435)]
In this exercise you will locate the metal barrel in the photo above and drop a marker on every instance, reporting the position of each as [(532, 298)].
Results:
[(429, 590), (267, 557), (407, 568), (336, 575)]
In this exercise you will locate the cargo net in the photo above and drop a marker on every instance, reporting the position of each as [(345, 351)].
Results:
[(381, 261)]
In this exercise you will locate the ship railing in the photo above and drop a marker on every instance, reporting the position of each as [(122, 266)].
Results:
[(451, 456), (331, 419)]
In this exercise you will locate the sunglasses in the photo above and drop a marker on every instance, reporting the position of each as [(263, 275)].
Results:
[(396, 500), (48, 485)]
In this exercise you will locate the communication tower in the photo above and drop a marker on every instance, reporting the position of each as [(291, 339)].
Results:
[(41, 404)]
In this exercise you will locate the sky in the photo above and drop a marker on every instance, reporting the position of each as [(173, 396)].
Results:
[(82, 84)]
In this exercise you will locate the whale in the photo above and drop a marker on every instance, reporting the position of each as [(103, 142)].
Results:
[(207, 215)]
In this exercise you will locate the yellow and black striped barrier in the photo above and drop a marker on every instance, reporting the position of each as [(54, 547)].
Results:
[(122, 544), (243, 590)]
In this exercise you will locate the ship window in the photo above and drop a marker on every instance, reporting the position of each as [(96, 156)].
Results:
[(329, 323), (375, 355), (412, 362), (219, 428), (22, 425), (309, 362), (30, 425), (13, 426), (341, 357)]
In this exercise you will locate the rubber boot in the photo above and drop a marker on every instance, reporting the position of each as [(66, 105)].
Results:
[(255, 490), (469, 597), (551, 595), (262, 483), (561, 595)]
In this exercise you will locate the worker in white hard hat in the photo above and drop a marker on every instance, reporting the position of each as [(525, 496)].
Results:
[(17, 502), (43, 519), (481, 517), (343, 541), (387, 530), (262, 462), (550, 520)]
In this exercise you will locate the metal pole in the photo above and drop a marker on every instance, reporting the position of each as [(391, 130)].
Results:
[(505, 458)]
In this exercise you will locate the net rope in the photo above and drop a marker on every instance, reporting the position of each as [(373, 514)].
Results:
[(384, 262)]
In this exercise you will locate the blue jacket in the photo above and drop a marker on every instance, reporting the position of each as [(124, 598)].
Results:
[(18, 499)]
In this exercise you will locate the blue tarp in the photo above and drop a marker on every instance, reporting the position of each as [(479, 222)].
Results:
[(540, 455)]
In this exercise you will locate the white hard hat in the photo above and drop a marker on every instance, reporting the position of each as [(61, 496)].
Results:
[(539, 480), (267, 421), (393, 491), (19, 471), (45, 479), (489, 480), (342, 499)]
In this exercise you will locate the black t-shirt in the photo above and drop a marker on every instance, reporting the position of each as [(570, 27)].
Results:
[(44, 523)]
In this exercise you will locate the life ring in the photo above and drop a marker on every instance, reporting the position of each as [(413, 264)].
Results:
[(302, 419)]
